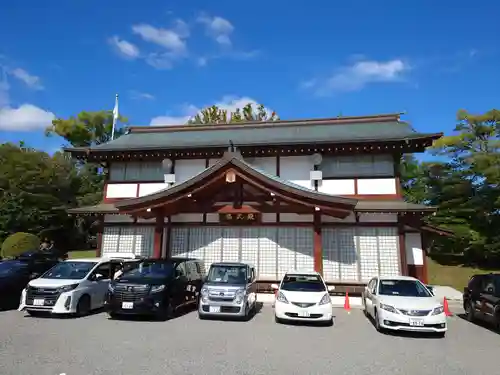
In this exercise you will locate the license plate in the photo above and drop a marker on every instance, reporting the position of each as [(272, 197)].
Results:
[(304, 314), (214, 309), (416, 322), (127, 305), (38, 302)]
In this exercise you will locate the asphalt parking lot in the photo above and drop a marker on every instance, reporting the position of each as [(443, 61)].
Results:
[(186, 345)]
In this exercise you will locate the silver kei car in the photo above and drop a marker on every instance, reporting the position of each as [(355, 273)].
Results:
[(230, 290)]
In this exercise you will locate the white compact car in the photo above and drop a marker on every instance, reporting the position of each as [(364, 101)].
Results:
[(403, 303), (303, 296), (75, 286)]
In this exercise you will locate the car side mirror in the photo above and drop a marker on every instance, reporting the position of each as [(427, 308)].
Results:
[(431, 289), (98, 277), (275, 286), (34, 275), (490, 290), (331, 288)]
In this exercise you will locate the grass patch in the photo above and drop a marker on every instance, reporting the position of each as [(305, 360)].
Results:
[(456, 276), (78, 254)]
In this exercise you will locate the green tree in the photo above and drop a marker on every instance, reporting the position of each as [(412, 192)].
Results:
[(36, 189), (216, 115), (86, 129)]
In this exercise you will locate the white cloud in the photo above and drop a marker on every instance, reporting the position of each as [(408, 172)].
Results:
[(26, 117), (218, 28), (229, 103), (141, 95), (169, 39), (125, 48), (31, 81), (360, 74)]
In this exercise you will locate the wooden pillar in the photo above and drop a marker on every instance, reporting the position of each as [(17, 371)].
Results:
[(317, 243), (99, 235), (402, 247), (158, 235), (168, 240)]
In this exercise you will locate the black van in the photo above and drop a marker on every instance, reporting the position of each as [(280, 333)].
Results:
[(156, 287)]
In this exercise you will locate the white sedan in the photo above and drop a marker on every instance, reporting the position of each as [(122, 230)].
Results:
[(303, 296), (403, 303)]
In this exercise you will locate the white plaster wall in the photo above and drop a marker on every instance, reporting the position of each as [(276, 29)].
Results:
[(377, 186), (121, 190), (151, 188), (297, 169), (118, 219), (337, 187), (185, 169), (212, 218), (330, 219), (212, 162), (187, 218), (414, 252), (378, 218), (268, 218), (288, 217)]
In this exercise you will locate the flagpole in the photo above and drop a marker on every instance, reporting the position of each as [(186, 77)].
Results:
[(115, 118)]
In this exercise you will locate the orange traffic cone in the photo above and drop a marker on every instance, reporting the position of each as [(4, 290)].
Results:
[(446, 308), (347, 304)]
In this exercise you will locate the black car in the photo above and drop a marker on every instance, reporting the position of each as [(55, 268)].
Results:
[(156, 287), (15, 275), (482, 299)]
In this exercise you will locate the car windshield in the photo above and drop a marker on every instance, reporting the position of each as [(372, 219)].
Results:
[(302, 283), (151, 270), (227, 274), (403, 288), (69, 270), (10, 267)]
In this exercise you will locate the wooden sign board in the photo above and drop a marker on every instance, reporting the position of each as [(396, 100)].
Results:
[(239, 218)]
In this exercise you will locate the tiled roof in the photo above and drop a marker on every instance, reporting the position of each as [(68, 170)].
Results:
[(336, 130)]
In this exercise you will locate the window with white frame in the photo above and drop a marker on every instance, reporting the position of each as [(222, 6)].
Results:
[(358, 166), (137, 240), (136, 171)]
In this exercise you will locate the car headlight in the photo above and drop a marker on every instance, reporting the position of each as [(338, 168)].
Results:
[(325, 299), (204, 292), (438, 310), (67, 288), (157, 288), (388, 308), (281, 298), (111, 288), (239, 295)]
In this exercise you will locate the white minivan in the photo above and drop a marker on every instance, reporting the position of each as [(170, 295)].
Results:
[(75, 286)]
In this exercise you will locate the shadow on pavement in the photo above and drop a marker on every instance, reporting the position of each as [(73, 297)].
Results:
[(479, 323)]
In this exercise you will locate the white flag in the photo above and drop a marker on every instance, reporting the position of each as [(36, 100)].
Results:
[(115, 117)]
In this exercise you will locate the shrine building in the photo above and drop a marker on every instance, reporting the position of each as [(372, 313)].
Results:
[(318, 194)]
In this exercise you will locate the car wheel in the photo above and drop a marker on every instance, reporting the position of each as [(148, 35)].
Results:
[(329, 323), (469, 311), (202, 317), (365, 311), (83, 306), (278, 320), (112, 315), (377, 322)]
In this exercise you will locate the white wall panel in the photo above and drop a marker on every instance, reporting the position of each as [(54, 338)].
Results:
[(414, 252), (357, 165), (121, 190), (330, 219), (288, 217), (268, 218), (267, 164), (187, 218), (377, 186), (151, 188), (337, 187)]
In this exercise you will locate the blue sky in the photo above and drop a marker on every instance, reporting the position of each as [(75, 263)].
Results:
[(168, 59)]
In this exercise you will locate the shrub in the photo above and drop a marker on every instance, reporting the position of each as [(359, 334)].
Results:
[(18, 243)]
